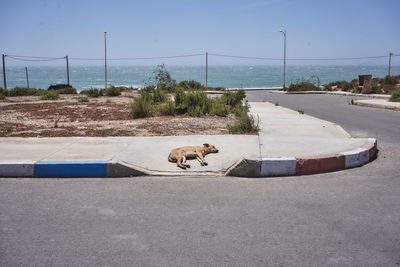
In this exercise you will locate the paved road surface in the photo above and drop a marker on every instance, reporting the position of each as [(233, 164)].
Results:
[(346, 218)]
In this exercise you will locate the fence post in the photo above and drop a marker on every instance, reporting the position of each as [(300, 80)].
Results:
[(66, 58), (4, 72), (390, 62), (27, 77), (206, 70)]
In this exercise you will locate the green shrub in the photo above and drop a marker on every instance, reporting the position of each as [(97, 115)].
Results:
[(67, 90), (245, 123), (216, 88), (218, 108), (3, 91), (83, 99), (190, 85), (234, 98), (2, 97), (50, 95), (391, 80), (375, 89), (142, 106), (168, 109), (300, 111), (159, 96), (197, 103), (395, 96), (180, 100), (111, 91), (302, 86), (92, 92), (23, 91)]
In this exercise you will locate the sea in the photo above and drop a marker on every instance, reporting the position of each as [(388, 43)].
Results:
[(258, 76)]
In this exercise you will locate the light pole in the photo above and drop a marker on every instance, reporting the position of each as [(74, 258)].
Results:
[(105, 59), (284, 58)]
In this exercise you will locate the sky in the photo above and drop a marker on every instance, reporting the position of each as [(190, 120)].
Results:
[(148, 28)]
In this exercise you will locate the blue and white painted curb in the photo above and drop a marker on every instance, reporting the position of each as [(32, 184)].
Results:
[(265, 167)]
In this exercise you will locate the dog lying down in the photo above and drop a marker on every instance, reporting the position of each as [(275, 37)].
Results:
[(179, 155)]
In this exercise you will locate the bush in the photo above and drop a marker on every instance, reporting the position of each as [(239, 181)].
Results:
[(67, 90), (23, 91), (142, 106), (2, 97), (92, 92), (159, 96), (3, 91), (390, 80), (375, 89), (302, 86), (50, 95), (197, 103), (395, 96), (180, 100), (83, 99), (234, 98), (168, 109), (245, 123), (111, 91), (218, 108), (191, 85)]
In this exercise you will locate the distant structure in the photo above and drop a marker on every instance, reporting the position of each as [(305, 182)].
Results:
[(364, 83)]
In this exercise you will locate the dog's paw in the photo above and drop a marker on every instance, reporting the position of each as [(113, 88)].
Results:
[(182, 167), (188, 166), (205, 163)]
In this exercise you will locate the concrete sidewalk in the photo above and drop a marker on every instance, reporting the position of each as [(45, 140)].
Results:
[(287, 139), (378, 103)]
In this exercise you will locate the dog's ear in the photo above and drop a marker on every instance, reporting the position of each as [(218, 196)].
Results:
[(206, 145)]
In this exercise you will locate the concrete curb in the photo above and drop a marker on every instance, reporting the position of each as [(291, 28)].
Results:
[(264, 167), (289, 166), (377, 96), (376, 105)]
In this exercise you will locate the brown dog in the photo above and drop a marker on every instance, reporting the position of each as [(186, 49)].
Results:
[(179, 155)]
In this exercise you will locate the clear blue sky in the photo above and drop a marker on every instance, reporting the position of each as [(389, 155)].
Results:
[(315, 29)]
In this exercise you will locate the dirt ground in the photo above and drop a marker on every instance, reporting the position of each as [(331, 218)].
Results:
[(102, 116)]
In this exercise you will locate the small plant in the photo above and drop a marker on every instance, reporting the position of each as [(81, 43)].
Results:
[(197, 103), (2, 97), (351, 102), (276, 103), (245, 123), (92, 92), (159, 96), (395, 96), (67, 90), (83, 99), (302, 86), (112, 91), (234, 98), (23, 91), (108, 101), (300, 111), (50, 95), (168, 109), (218, 108), (142, 106)]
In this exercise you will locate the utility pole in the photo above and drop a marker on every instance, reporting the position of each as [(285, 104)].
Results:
[(66, 58), (390, 61), (4, 71), (105, 59), (284, 58), (27, 77), (206, 70)]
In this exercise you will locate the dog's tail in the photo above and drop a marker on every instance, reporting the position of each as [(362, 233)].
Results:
[(170, 159)]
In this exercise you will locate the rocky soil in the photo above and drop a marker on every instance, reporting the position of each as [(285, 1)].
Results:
[(103, 116)]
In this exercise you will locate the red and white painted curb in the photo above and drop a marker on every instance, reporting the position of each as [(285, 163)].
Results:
[(322, 163)]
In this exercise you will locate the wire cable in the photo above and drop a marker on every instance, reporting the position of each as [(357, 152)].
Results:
[(138, 58), (302, 59)]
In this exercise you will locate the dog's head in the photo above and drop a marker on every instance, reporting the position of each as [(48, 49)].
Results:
[(210, 148)]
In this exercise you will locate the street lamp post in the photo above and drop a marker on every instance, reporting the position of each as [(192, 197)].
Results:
[(284, 58), (105, 59)]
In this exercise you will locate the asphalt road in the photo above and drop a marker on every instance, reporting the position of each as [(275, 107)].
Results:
[(346, 218)]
